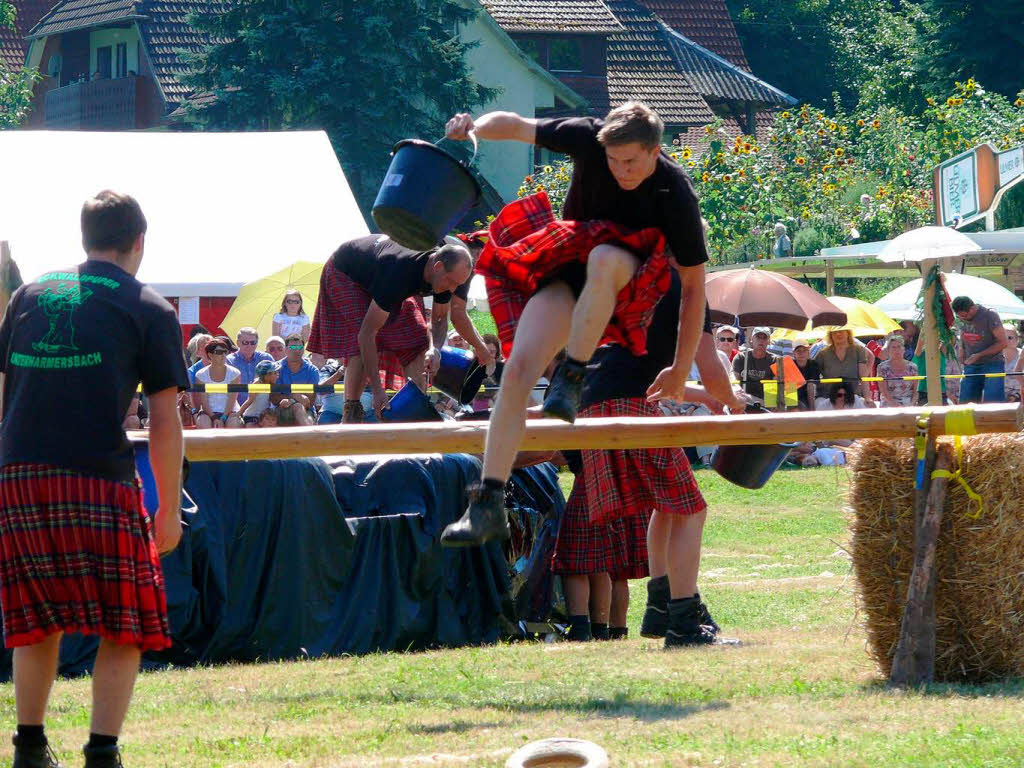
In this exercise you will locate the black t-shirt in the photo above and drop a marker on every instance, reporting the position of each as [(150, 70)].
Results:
[(614, 372), (666, 200), (810, 372), (389, 272), (74, 346)]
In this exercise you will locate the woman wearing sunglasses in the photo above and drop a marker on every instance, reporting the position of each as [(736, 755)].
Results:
[(218, 410)]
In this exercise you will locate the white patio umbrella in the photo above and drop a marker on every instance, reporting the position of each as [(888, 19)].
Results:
[(901, 303), (928, 245)]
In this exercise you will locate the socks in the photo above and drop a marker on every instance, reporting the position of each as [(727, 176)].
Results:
[(579, 629), (490, 484), (573, 361), (599, 631), (101, 740), (618, 633), (31, 735)]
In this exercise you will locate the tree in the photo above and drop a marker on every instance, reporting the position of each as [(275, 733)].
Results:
[(979, 39), (15, 87), (369, 72)]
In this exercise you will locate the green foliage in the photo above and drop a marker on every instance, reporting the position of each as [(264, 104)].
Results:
[(15, 87), (833, 177), (369, 72)]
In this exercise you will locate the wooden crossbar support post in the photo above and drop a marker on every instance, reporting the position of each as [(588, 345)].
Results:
[(914, 662), (549, 435)]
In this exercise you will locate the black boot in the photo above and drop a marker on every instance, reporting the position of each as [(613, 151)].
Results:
[(599, 631), (705, 615), (563, 397), (108, 756), (483, 520), (684, 627), (655, 621), (33, 755), (618, 633), (579, 629)]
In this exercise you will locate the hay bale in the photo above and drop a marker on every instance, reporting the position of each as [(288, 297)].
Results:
[(980, 562)]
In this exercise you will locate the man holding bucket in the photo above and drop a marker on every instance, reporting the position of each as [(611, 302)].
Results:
[(370, 314), (630, 214)]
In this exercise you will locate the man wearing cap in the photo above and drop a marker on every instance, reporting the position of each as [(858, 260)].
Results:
[(370, 314), (755, 364), (808, 368), (984, 340)]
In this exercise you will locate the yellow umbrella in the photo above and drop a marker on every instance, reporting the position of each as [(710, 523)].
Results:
[(259, 301), (862, 319)]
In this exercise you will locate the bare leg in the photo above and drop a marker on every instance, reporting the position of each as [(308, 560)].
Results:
[(684, 554), (620, 604), (658, 532), (203, 421), (600, 597), (355, 378), (416, 370), (300, 415), (609, 269), (541, 332), (35, 667), (113, 678), (577, 593)]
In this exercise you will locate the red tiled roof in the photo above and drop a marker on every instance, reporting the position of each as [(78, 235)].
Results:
[(80, 14), (580, 16), (706, 22), (12, 41), (166, 32)]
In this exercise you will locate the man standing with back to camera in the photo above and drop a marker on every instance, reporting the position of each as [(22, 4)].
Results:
[(78, 552)]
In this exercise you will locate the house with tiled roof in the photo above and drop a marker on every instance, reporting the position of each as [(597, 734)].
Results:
[(682, 57), (111, 64), (13, 45)]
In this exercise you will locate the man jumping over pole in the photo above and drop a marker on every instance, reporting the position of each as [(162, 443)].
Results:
[(597, 275), (370, 313), (78, 552)]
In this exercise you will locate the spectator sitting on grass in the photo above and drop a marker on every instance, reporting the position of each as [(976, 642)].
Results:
[(332, 405), (247, 357), (257, 403), (275, 348), (215, 409), (296, 407), (829, 452)]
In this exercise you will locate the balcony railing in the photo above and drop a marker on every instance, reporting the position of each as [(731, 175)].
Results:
[(110, 105)]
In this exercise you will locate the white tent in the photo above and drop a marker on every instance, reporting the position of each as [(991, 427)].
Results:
[(223, 208), (901, 303)]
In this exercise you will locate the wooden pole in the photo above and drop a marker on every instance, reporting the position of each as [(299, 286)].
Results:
[(830, 279), (551, 435), (931, 340), (914, 662)]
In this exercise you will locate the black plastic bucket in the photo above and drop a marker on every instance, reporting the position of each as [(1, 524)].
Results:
[(410, 404), (424, 195), (457, 365), (750, 466)]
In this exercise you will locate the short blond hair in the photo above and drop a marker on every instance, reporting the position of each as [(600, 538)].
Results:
[(633, 122)]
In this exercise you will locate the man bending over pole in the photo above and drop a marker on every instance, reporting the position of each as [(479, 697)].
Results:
[(370, 312), (580, 275), (77, 551)]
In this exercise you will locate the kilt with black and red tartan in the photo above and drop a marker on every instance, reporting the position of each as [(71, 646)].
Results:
[(77, 554), (631, 559), (624, 483), (340, 309), (581, 547), (526, 244)]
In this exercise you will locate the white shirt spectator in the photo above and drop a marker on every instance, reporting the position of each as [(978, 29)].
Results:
[(291, 324), (219, 403)]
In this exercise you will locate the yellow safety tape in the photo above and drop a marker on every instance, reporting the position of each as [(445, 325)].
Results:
[(960, 421), (957, 475)]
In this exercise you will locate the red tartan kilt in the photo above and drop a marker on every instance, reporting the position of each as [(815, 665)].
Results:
[(635, 481), (341, 307), (77, 554), (632, 560), (582, 547)]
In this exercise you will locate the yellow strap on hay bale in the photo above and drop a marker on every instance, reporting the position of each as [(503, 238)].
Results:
[(958, 475)]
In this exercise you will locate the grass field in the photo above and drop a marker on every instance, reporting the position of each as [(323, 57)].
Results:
[(801, 691)]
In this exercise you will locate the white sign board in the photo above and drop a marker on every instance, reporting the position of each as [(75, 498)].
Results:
[(1011, 165), (188, 310), (958, 181)]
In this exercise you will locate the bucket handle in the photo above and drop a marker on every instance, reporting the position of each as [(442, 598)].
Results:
[(472, 138)]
